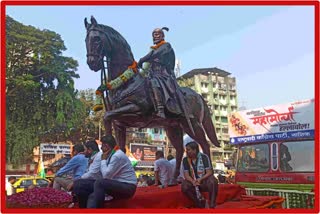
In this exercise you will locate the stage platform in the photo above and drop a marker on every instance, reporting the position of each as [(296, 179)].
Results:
[(230, 196)]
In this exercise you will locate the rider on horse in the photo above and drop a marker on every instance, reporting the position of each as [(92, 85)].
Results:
[(161, 61)]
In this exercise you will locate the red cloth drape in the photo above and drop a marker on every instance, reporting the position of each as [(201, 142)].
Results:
[(229, 196)]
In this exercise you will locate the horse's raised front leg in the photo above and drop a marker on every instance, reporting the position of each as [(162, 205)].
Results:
[(109, 116), (175, 135), (130, 109)]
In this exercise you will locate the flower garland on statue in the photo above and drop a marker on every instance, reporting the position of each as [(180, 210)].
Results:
[(158, 45), (117, 82), (127, 74)]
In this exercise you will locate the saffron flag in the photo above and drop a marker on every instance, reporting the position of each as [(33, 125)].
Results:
[(40, 171)]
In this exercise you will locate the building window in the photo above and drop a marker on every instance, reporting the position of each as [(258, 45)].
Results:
[(224, 119), (297, 156), (223, 97), (223, 108), (205, 96), (224, 86), (232, 87), (204, 85)]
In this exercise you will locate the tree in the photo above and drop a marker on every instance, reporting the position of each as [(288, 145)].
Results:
[(94, 120), (41, 102), (183, 82)]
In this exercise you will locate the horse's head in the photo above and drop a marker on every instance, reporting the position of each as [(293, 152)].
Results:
[(101, 41), (96, 41)]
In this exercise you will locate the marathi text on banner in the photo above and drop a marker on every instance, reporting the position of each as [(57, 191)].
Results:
[(273, 122)]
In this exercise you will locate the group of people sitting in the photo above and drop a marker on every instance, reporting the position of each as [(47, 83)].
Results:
[(97, 174)]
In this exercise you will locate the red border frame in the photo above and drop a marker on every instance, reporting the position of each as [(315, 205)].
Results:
[(135, 3)]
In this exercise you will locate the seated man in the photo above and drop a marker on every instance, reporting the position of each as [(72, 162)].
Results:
[(143, 181), (77, 165), (198, 175), (82, 185), (119, 178), (163, 170)]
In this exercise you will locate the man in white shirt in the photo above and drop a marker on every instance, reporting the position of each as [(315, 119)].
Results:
[(92, 151), (9, 185), (81, 186), (119, 178), (163, 170)]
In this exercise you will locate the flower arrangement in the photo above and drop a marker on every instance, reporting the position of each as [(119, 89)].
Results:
[(39, 198), (158, 45), (117, 82)]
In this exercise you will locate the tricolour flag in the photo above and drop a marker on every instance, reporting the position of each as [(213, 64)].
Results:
[(133, 160), (40, 171)]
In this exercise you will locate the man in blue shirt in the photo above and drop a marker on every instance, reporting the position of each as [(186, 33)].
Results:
[(77, 165)]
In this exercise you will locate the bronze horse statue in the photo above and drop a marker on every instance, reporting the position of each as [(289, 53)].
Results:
[(129, 98)]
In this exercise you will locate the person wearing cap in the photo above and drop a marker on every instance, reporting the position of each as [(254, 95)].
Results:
[(119, 179), (160, 63), (198, 172)]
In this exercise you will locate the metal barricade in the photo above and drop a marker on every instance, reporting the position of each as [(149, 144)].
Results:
[(293, 198)]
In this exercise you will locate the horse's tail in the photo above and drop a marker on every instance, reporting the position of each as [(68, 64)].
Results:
[(208, 124)]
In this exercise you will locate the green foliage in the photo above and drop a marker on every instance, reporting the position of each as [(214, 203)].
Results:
[(90, 127), (182, 82), (41, 102)]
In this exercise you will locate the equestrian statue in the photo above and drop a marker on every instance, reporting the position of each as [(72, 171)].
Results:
[(146, 94)]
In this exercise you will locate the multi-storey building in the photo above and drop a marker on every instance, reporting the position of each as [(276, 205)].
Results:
[(219, 91)]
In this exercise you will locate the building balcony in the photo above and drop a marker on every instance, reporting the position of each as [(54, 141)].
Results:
[(217, 124), (140, 135), (232, 104), (223, 113), (223, 102), (222, 91), (215, 101), (204, 91), (232, 93), (216, 112), (225, 137)]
